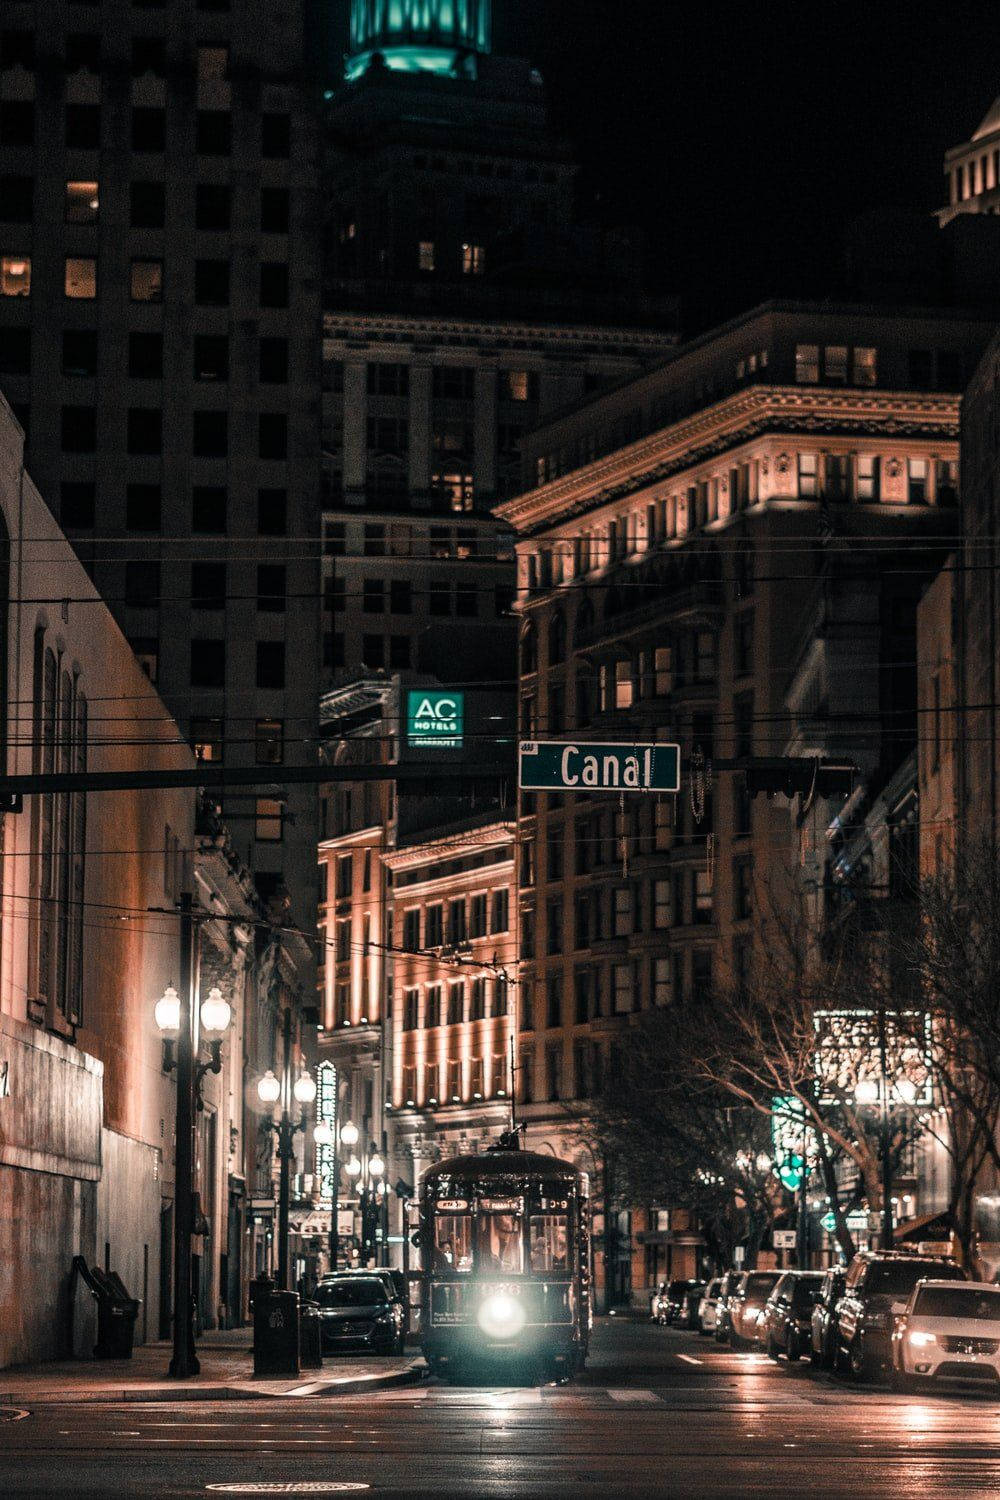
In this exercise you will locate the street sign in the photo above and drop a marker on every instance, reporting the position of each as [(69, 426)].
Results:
[(784, 1239), (435, 720), (856, 1219), (563, 765)]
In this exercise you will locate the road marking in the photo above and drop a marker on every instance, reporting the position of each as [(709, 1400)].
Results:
[(645, 1398), (689, 1359), (289, 1487)]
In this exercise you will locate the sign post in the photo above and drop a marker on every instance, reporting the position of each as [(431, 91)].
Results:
[(564, 765)]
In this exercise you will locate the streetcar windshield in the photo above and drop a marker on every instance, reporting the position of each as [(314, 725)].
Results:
[(549, 1236), (452, 1241), (499, 1236)]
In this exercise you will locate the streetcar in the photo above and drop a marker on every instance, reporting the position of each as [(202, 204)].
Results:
[(505, 1246)]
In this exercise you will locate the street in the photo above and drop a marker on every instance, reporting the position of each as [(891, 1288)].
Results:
[(658, 1413)]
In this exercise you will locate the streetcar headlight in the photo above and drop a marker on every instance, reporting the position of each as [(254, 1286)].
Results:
[(501, 1316)]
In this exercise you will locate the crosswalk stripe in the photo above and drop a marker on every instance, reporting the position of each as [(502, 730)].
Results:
[(645, 1398)]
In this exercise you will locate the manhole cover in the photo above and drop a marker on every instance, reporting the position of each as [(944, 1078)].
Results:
[(288, 1486)]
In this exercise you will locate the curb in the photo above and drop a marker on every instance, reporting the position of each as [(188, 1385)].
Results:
[(349, 1385)]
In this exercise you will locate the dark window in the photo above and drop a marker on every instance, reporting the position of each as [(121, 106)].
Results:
[(400, 596), (272, 512), (388, 379), (211, 283), (439, 597), (208, 585), (272, 435), (145, 356), (145, 429), (143, 504), (211, 356), (271, 587), (274, 210), (208, 509), (146, 281), (920, 369), (17, 122), (213, 132), (273, 284), (79, 351), (399, 652), (270, 664), (275, 135), (466, 601), (83, 50), (149, 55), (372, 596), (211, 206), (373, 651), (76, 501), (147, 205), (454, 382), (210, 434), (17, 197), (149, 129), (273, 361), (79, 429), (83, 126), (269, 742), (15, 353), (17, 49), (208, 663), (142, 585)]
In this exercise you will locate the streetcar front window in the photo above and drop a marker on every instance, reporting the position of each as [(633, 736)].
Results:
[(499, 1239), (549, 1236), (452, 1242)]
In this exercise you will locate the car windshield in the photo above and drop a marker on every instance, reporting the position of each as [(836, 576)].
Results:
[(897, 1278), (499, 1242), (360, 1291), (759, 1285), (958, 1302)]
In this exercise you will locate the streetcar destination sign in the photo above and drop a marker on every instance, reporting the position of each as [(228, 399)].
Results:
[(561, 765)]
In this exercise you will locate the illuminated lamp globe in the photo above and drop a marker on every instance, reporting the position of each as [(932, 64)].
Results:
[(866, 1092), (305, 1088), (323, 1135), (269, 1088), (216, 1013), (349, 1134), (167, 1012), (763, 1162), (353, 1168), (907, 1090), (376, 1165)]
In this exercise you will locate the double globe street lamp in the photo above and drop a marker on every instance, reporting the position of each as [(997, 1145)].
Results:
[(367, 1171), (272, 1090)]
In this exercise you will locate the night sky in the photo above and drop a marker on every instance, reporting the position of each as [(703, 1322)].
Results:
[(743, 141)]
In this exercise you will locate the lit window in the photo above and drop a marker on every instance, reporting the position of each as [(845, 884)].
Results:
[(147, 281), (457, 487), (81, 203), (213, 64), (473, 260), (15, 276), (835, 364), (517, 385), (916, 488), (867, 476), (663, 675), (81, 277), (808, 475), (267, 820), (865, 367), (425, 254), (806, 364), (624, 689), (206, 739), (623, 988)]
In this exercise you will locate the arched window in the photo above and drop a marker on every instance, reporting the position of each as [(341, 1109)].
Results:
[(557, 638), (529, 650)]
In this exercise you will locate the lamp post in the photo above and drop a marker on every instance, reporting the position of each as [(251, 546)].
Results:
[(271, 1090), (368, 1171), (872, 1091), (177, 1017)]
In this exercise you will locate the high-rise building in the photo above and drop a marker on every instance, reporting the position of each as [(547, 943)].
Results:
[(159, 340)]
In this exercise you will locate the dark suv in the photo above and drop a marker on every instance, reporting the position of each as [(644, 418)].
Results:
[(878, 1287), (823, 1330)]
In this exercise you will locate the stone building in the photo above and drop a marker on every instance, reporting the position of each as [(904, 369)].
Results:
[(664, 586), (159, 341)]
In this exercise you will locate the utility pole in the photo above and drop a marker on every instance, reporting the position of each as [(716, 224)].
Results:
[(184, 1362), (285, 1149), (885, 1142)]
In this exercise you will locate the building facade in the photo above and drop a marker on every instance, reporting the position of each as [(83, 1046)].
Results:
[(663, 589), (159, 341)]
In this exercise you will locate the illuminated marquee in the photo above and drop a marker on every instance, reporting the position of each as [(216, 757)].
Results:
[(326, 1111)]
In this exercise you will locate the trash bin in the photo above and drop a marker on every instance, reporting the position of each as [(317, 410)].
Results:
[(275, 1332), (310, 1337), (116, 1311)]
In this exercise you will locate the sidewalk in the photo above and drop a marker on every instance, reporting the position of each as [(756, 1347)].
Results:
[(226, 1359)]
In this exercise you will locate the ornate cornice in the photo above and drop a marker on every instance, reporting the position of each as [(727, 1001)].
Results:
[(716, 429), (471, 838), (349, 327)]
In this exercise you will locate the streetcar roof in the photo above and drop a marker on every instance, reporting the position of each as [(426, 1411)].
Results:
[(496, 1163)]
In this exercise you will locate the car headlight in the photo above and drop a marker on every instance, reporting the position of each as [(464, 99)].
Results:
[(501, 1316), (921, 1340)]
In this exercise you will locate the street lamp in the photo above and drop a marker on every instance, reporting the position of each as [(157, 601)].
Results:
[(368, 1172), (177, 1019), (271, 1089)]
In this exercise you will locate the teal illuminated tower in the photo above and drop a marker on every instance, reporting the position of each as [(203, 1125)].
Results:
[(418, 36)]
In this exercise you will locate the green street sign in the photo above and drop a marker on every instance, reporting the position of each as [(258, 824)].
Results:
[(435, 719), (564, 765)]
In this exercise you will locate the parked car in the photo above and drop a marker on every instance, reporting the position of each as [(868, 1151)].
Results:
[(688, 1315), (727, 1291), (709, 1305), (673, 1302), (395, 1284), (878, 1287), (947, 1332), (823, 1324), (784, 1327), (746, 1307), (359, 1311)]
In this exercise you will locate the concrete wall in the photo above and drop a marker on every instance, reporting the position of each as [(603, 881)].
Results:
[(128, 1222)]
